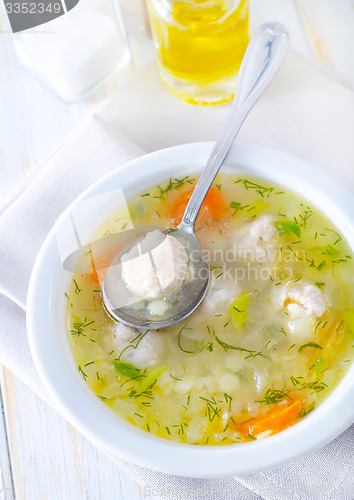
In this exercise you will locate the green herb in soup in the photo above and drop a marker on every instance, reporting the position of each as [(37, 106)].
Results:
[(271, 340)]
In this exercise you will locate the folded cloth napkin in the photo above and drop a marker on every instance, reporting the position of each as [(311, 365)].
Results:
[(153, 118)]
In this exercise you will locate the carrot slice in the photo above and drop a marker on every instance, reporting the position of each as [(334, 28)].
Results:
[(100, 266), (213, 206), (279, 418)]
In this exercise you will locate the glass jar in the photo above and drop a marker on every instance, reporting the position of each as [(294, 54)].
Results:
[(73, 53), (200, 45)]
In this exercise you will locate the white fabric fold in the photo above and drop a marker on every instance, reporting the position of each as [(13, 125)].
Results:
[(304, 113)]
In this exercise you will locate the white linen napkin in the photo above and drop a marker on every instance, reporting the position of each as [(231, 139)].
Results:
[(304, 112)]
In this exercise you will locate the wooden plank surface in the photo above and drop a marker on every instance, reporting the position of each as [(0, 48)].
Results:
[(6, 485), (49, 458)]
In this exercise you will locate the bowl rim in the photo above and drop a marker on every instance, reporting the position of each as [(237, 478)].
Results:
[(80, 406)]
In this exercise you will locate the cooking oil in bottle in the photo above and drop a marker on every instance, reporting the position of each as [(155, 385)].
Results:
[(200, 46)]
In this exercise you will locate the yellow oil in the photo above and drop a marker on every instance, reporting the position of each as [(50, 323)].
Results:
[(201, 42)]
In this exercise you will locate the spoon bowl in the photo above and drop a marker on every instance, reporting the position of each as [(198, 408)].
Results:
[(131, 310)]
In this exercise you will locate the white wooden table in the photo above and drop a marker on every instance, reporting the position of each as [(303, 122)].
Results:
[(41, 455)]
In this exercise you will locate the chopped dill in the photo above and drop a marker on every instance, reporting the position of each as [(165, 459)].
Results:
[(248, 420), (79, 326), (139, 338), (236, 206), (261, 190), (309, 344), (340, 324), (233, 421), (250, 436), (336, 234), (212, 410), (172, 184), (180, 344), (294, 380), (307, 214), (305, 411), (226, 346), (321, 265), (259, 353), (317, 385), (77, 288), (82, 372), (273, 396), (228, 400)]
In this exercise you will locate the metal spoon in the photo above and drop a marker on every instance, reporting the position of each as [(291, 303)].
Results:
[(263, 58)]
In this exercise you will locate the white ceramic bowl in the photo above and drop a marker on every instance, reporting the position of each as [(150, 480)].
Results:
[(46, 320)]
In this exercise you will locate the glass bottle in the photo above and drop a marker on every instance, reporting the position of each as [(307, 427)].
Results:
[(200, 45)]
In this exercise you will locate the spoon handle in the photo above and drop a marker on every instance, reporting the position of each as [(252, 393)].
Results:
[(263, 58)]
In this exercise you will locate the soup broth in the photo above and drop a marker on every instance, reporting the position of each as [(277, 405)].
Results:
[(272, 338)]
